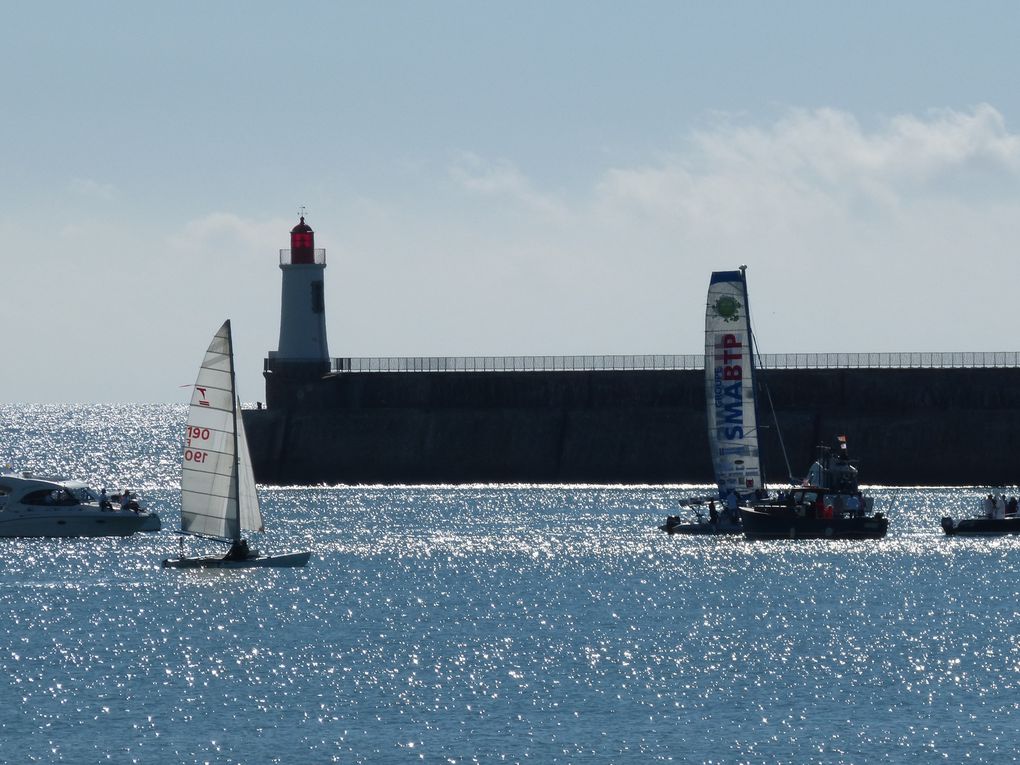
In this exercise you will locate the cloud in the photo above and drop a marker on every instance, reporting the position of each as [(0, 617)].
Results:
[(500, 178), (813, 163), (221, 230), (90, 189), (893, 225)]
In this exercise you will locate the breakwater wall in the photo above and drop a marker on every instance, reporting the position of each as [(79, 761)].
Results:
[(905, 426)]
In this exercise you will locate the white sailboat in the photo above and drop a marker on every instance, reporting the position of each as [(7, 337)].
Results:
[(218, 495), (730, 391), (827, 505), (732, 411)]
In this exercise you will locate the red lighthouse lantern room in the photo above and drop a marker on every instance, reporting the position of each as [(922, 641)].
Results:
[(302, 244)]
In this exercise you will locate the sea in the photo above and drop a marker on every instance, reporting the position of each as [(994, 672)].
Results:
[(495, 623)]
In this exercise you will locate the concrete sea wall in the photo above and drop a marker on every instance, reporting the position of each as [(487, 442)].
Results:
[(905, 426)]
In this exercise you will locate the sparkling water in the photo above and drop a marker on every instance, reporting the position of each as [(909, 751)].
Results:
[(493, 624)]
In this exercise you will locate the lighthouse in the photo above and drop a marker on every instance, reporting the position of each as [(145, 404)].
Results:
[(302, 304)]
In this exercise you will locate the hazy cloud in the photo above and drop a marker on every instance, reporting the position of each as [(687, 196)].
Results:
[(220, 229), (813, 163), (915, 212), (90, 189), (500, 178)]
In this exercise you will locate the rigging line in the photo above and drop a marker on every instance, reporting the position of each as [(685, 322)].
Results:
[(765, 387)]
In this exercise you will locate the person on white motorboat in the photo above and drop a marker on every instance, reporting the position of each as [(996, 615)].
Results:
[(128, 501), (104, 500)]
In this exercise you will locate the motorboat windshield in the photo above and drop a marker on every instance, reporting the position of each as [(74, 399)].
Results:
[(83, 493)]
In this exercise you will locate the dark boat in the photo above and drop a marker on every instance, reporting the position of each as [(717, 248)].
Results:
[(986, 526), (725, 522), (829, 506), (790, 521), (999, 517)]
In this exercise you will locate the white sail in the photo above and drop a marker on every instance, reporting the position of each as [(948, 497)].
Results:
[(251, 515), (729, 386), (211, 477)]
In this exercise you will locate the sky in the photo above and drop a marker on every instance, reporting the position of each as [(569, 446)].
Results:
[(513, 178)]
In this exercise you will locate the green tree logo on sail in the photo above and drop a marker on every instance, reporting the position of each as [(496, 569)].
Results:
[(727, 308)]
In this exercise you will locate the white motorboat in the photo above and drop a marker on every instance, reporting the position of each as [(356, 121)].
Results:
[(35, 506)]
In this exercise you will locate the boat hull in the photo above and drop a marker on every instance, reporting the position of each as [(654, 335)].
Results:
[(782, 523), (150, 522), (74, 522), (981, 526), (699, 528), (287, 560)]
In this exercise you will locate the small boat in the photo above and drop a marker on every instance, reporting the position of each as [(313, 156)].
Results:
[(829, 505), (253, 560), (725, 522), (36, 506), (731, 409), (218, 494), (999, 518)]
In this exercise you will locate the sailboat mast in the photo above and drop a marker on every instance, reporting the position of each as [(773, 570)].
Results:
[(233, 409), (754, 376), (760, 380)]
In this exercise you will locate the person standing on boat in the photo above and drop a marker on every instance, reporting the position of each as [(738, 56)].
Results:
[(999, 507), (128, 501), (104, 500), (238, 550), (989, 506), (731, 506), (852, 505), (713, 514)]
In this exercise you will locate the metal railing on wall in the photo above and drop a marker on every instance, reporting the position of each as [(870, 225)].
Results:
[(920, 360)]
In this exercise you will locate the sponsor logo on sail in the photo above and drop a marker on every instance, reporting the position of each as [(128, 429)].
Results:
[(729, 399), (727, 308)]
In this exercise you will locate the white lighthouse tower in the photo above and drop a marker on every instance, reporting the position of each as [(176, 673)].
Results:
[(302, 305)]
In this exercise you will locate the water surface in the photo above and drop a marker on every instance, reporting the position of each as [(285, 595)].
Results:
[(494, 623)]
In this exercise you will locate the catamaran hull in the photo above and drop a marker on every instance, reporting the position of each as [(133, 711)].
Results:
[(288, 560), (782, 524), (981, 526)]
